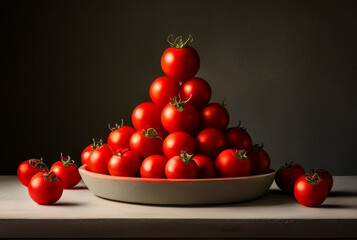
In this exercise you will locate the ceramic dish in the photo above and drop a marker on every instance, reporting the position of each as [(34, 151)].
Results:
[(177, 191)]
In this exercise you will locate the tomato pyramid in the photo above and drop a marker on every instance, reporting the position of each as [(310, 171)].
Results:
[(180, 134)]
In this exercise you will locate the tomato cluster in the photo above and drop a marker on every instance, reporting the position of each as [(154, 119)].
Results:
[(45, 186), (180, 134), (309, 189)]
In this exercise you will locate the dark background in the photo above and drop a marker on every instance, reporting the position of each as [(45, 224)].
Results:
[(286, 68)]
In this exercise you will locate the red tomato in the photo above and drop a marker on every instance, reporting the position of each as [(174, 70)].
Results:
[(146, 143), (260, 160), (310, 190), (197, 90), (45, 188), (177, 142), (180, 62), (214, 115), (233, 163), (179, 116), (148, 115), (181, 167), (99, 157), (28, 168), (153, 167), (326, 175), (287, 175), (210, 142), (67, 172), (163, 89), (205, 165), (86, 153), (126, 164), (119, 136), (238, 138)]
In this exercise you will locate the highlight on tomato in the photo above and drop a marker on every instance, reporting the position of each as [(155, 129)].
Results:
[(67, 171), (180, 62), (177, 142), (162, 90), (119, 136), (28, 168), (45, 188), (310, 190), (97, 157), (126, 163), (153, 167)]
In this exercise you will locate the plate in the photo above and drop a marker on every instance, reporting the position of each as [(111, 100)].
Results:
[(177, 191)]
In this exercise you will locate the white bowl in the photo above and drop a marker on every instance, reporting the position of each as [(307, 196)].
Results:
[(177, 191)]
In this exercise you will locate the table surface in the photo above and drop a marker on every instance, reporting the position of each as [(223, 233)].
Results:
[(81, 214)]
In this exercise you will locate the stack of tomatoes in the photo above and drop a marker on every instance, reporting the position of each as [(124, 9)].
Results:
[(180, 134)]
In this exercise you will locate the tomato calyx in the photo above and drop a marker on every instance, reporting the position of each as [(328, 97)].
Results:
[(150, 133), (178, 103), (178, 42), (312, 179), (116, 126), (50, 176), (257, 147), (224, 103), (38, 163), (185, 157), (240, 154), (122, 151), (66, 161), (317, 171), (97, 144), (243, 129)]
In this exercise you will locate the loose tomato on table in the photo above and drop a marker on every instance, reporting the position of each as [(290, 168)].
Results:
[(146, 142), (197, 90), (179, 116), (119, 136), (148, 115), (180, 62), (310, 190), (153, 167), (97, 156), (260, 160), (181, 167), (238, 137), (66, 171), (233, 163), (326, 175), (206, 168), (210, 142), (126, 163), (214, 115), (45, 188), (177, 142), (28, 168), (162, 90), (287, 175)]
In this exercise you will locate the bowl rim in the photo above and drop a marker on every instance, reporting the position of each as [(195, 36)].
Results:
[(141, 179)]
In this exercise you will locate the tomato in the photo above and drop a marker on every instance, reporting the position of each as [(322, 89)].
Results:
[(119, 137), (206, 168), (126, 164), (99, 157), (310, 190), (67, 172), (181, 167), (146, 143), (233, 163), (180, 62), (214, 115), (177, 142), (260, 160), (28, 168), (86, 154), (287, 175), (238, 138), (163, 89), (45, 188), (153, 167), (179, 116), (197, 90), (326, 175), (210, 142), (148, 115)]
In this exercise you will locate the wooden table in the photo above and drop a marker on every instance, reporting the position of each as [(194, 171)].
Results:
[(81, 214)]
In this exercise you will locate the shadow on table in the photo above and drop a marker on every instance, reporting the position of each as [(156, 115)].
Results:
[(338, 206), (342, 194)]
